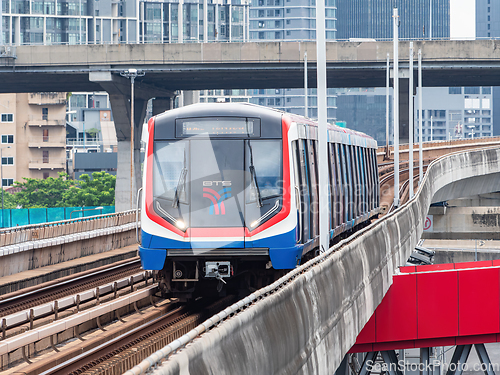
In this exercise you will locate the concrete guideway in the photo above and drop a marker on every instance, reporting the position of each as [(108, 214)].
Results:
[(308, 325)]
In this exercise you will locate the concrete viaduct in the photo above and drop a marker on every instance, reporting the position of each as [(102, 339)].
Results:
[(195, 66)]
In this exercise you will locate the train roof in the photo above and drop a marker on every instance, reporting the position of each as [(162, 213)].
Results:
[(247, 110)]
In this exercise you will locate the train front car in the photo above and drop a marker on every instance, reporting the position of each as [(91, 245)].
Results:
[(216, 203)]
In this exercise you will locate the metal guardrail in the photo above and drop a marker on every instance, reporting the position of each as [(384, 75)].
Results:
[(34, 232)]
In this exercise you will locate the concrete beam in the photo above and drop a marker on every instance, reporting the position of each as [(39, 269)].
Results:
[(309, 324), (197, 66)]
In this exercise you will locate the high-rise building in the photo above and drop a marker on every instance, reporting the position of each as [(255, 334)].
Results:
[(373, 19), (122, 21), (449, 113), (277, 20)]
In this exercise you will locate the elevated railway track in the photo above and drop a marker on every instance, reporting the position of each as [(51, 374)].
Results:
[(108, 353)]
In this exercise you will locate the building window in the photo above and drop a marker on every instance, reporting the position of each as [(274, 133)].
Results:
[(45, 157), (7, 160), (7, 182), (471, 90), (45, 113), (45, 135), (7, 138), (7, 117), (45, 175)]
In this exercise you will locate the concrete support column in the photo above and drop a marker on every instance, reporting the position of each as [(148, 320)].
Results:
[(121, 113), (191, 97)]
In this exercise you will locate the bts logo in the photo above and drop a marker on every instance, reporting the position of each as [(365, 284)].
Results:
[(216, 183), (217, 199)]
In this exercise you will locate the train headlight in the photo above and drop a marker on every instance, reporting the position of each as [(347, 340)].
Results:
[(180, 224), (255, 223)]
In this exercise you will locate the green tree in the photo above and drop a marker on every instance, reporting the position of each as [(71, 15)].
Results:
[(63, 192), (47, 192), (96, 191), (9, 200)]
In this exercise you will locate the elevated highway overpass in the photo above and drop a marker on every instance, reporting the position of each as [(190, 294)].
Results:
[(195, 66)]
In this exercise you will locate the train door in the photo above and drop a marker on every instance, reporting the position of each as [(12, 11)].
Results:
[(217, 191)]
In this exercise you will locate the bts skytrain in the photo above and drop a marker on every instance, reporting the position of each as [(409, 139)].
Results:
[(231, 192)]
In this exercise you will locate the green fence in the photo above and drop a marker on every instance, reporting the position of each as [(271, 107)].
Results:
[(25, 216)]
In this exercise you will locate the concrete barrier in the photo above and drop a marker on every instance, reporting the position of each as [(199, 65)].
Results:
[(33, 246), (309, 324)]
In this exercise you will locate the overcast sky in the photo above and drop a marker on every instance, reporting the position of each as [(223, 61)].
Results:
[(462, 19)]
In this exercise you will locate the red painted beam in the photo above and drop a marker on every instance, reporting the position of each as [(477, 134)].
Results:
[(436, 305)]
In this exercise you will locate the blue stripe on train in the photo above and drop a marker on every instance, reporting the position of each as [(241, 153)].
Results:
[(283, 250)]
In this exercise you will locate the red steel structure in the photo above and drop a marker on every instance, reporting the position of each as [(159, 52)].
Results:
[(436, 305)]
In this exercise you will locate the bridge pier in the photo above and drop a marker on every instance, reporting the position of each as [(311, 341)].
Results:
[(119, 90), (124, 199)]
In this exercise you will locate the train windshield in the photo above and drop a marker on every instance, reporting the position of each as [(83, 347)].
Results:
[(207, 182), (264, 168), (170, 166)]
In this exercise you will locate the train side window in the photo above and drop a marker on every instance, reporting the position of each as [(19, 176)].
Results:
[(375, 174), (349, 182), (372, 177), (352, 184), (304, 188), (356, 166), (313, 176), (345, 209), (361, 152), (340, 184), (369, 179), (338, 195), (332, 184)]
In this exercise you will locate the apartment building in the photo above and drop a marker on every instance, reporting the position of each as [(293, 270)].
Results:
[(33, 135)]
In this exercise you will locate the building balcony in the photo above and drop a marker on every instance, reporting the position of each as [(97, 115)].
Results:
[(47, 98), (46, 122), (47, 164), (43, 141)]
